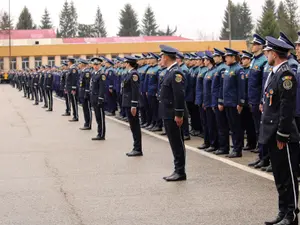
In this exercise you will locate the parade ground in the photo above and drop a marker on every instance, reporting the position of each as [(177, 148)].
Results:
[(51, 173)]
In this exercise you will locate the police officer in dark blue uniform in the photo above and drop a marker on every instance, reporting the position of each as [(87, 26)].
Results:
[(278, 130), (35, 80), (232, 99), (130, 101), (84, 93), (72, 89), (111, 97), (174, 109), (49, 89), (97, 87), (63, 81)]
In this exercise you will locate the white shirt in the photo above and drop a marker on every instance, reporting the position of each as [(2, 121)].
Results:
[(274, 70), (171, 66)]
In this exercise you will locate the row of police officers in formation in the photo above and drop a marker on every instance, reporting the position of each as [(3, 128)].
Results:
[(222, 92)]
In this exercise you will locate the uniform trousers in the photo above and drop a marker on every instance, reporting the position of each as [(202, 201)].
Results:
[(147, 109), (100, 118), (153, 102), (194, 113), (45, 97), (212, 127), (74, 102), (87, 112), (40, 94), (235, 125), (135, 127), (36, 94), (248, 126), (223, 129), (49, 93), (202, 114), (285, 165), (175, 136)]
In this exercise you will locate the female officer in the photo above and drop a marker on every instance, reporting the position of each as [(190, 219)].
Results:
[(232, 99), (130, 102), (207, 102)]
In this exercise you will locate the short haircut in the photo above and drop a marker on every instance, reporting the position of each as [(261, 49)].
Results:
[(171, 56)]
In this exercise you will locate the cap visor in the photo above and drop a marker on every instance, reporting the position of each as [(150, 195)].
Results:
[(267, 48)]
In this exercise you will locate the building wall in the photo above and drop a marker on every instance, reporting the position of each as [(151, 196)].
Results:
[(82, 50)]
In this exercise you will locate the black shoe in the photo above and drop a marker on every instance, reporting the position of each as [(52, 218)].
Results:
[(234, 155), (144, 125), (262, 163), (255, 150), (269, 169), (163, 134), (221, 152), (45, 106), (66, 114), (201, 135), (74, 120), (187, 138), (288, 221), (85, 128), (175, 177), (204, 146), (211, 149), (49, 110), (254, 163), (149, 127), (276, 220), (248, 148), (98, 138), (110, 114), (35, 103), (134, 153), (156, 129)]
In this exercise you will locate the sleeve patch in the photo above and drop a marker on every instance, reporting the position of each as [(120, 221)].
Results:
[(178, 78), (243, 77), (135, 77), (103, 77), (287, 84), (74, 71), (87, 75), (287, 78)]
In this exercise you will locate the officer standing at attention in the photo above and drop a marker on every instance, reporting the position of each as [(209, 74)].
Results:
[(63, 87), (35, 80), (84, 88), (49, 89), (279, 132), (97, 87), (174, 109), (130, 102), (71, 84)]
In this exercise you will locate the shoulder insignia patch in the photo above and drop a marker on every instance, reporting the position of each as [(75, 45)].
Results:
[(74, 71), (247, 75), (103, 77), (256, 67), (135, 77), (178, 78), (287, 84), (87, 75), (49, 75), (287, 78), (231, 73), (243, 77)]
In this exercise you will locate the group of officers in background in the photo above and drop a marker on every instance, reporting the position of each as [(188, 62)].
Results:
[(206, 94)]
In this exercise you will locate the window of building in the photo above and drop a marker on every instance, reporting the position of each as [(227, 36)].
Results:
[(51, 61), (63, 59), (25, 62), (1, 64), (13, 63), (38, 61)]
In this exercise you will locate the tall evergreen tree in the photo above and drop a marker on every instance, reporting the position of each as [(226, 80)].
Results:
[(99, 26), (167, 32), (149, 25), (282, 17), (129, 22), (73, 17), (267, 24), (5, 22), (245, 22), (293, 19), (64, 21), (86, 30), (235, 23), (25, 20), (46, 21)]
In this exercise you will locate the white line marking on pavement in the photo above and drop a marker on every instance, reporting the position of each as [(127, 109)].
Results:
[(201, 152)]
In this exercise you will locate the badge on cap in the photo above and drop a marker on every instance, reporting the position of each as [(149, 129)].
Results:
[(178, 78), (135, 78), (103, 77), (287, 84)]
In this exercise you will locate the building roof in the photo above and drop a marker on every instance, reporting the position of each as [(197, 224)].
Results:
[(123, 39), (27, 34)]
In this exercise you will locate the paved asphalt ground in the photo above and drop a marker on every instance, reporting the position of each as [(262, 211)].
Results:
[(51, 173)]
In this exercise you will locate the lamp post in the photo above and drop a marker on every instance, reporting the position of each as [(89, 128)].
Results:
[(9, 35)]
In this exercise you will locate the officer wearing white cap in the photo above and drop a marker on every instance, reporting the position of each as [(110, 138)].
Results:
[(279, 132)]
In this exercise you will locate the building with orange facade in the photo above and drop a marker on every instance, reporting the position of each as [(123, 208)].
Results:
[(32, 48)]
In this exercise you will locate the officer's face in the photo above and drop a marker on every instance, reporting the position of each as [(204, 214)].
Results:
[(246, 62), (229, 59), (298, 50), (206, 62), (217, 59), (256, 47), (271, 56)]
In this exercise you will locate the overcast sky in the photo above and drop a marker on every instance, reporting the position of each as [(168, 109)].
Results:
[(192, 17)]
